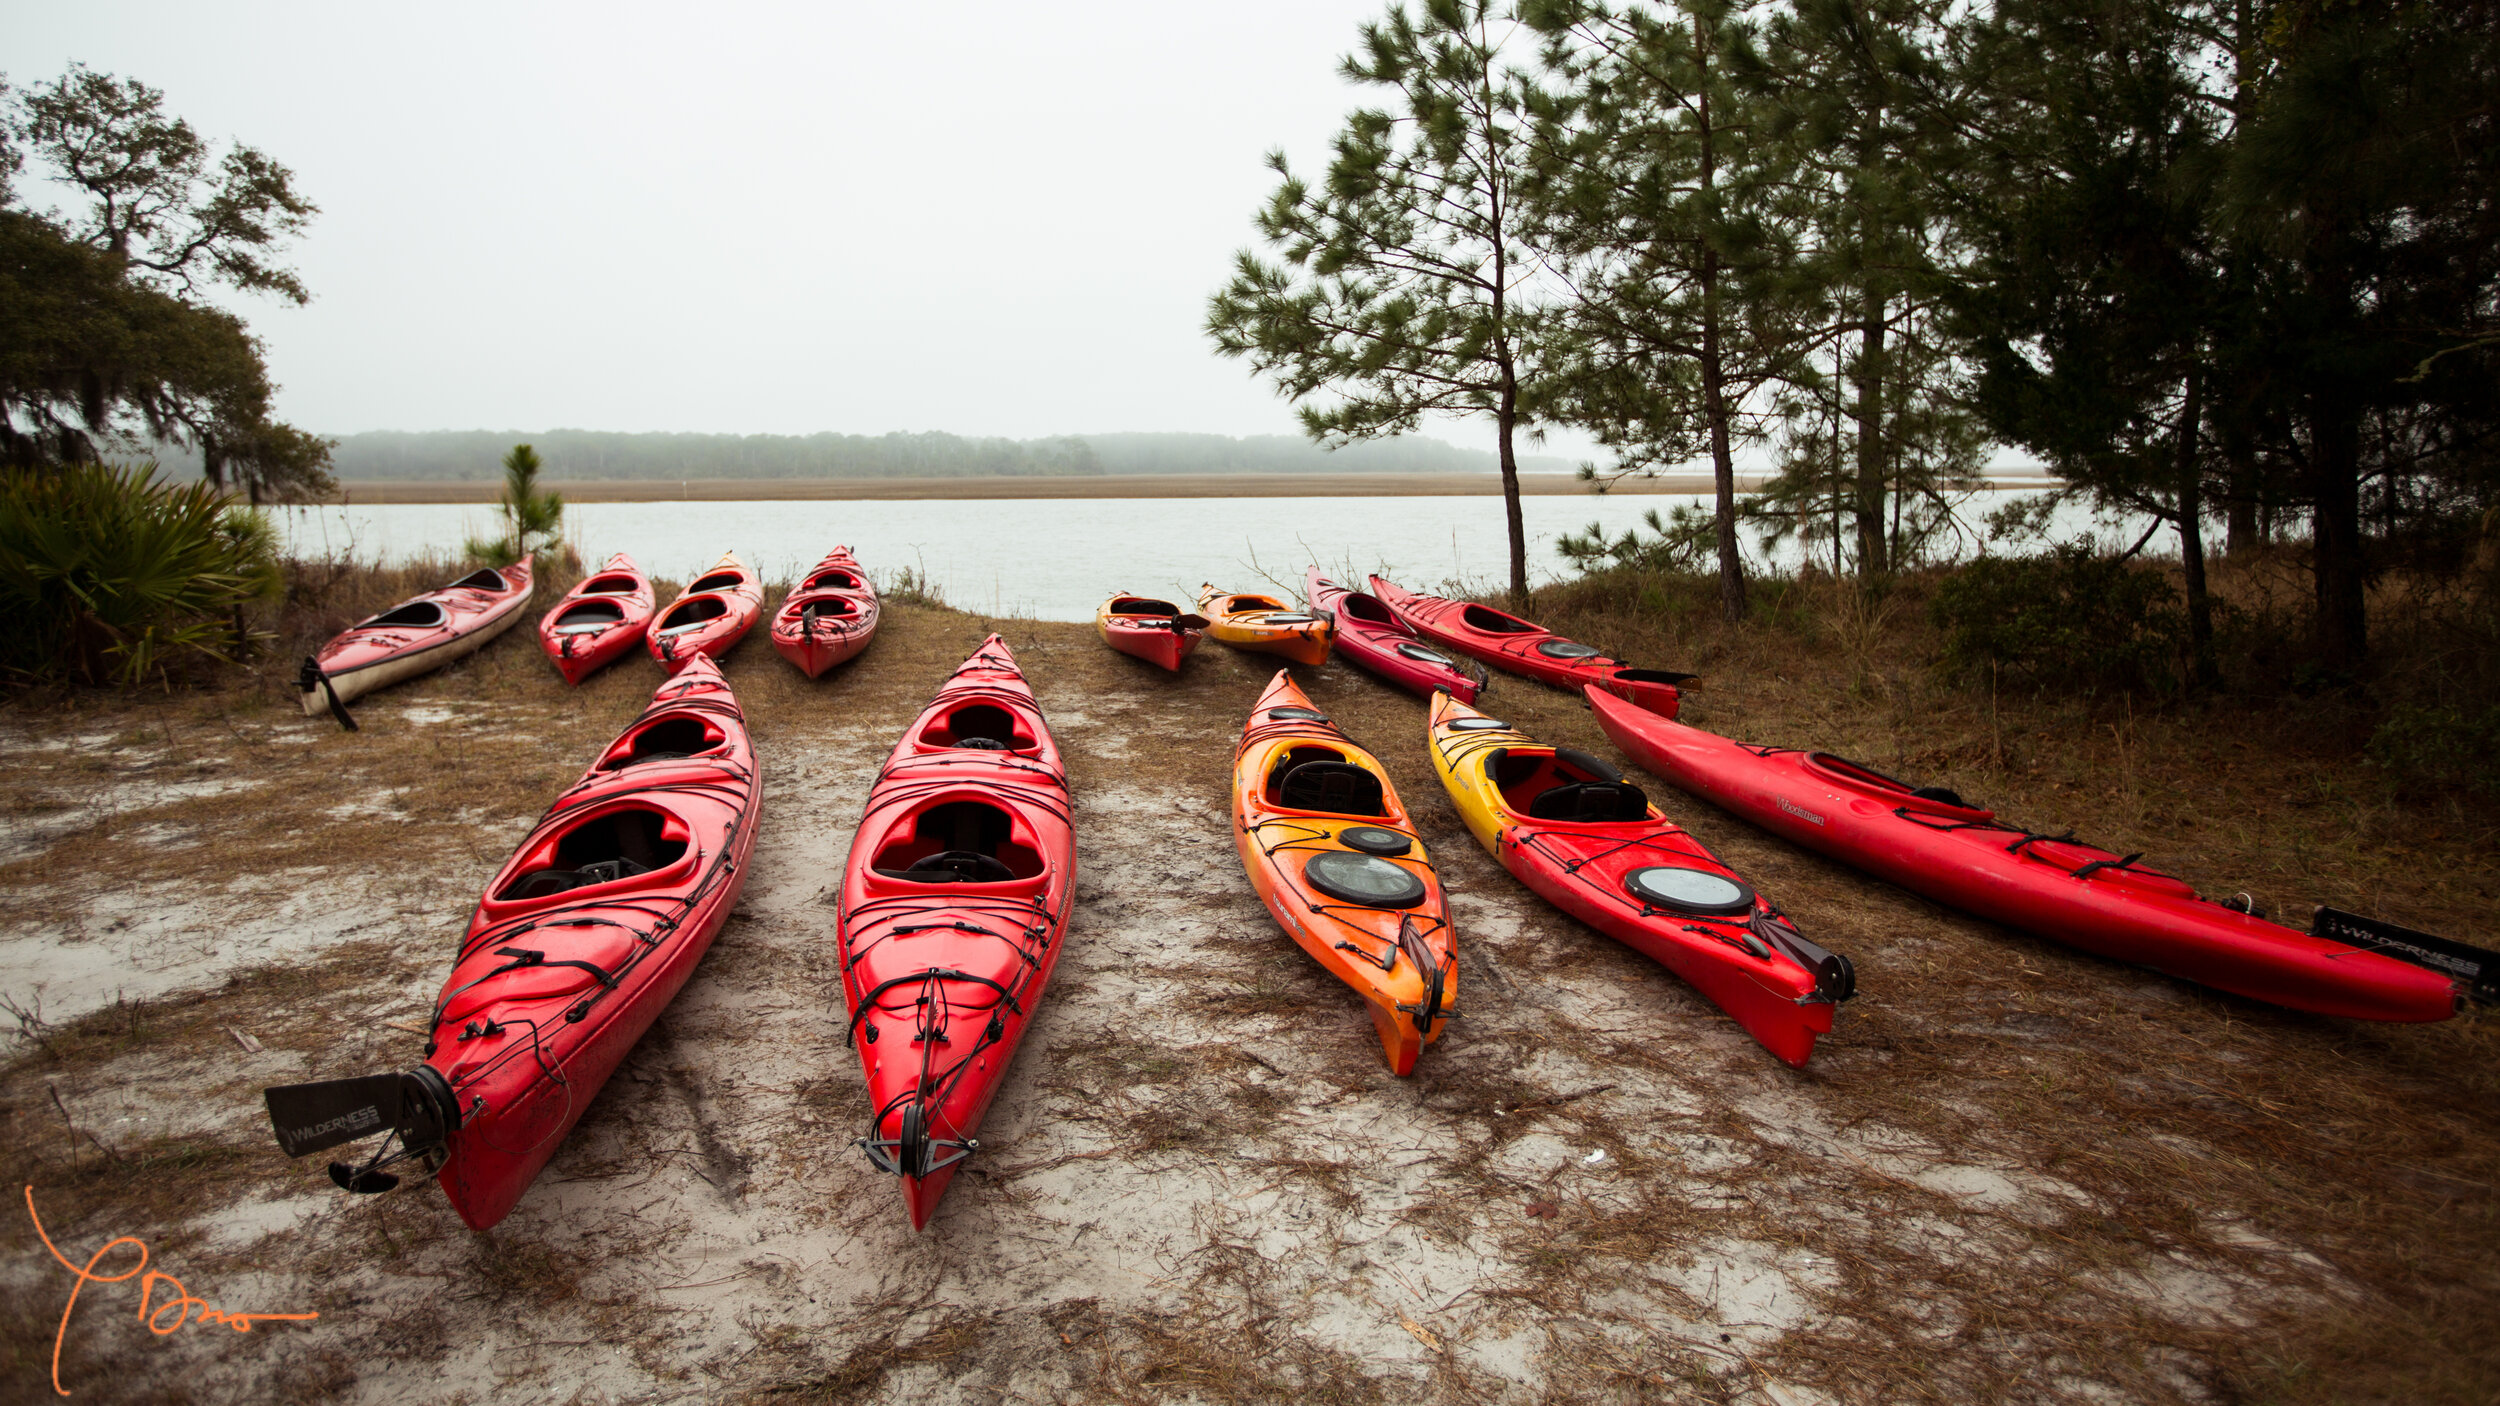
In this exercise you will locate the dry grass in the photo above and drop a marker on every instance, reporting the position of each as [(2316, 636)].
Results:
[(2327, 1185)]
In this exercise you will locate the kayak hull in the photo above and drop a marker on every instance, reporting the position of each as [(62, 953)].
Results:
[(1518, 646), (830, 618), (1965, 858), (1401, 958), (955, 904), (1742, 954), (709, 617), (599, 621), (1377, 642), (1260, 624), (419, 635), (523, 1035)]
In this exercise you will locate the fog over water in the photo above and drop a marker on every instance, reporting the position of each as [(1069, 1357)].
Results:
[(1056, 559)]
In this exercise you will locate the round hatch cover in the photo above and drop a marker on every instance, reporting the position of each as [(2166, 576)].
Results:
[(1566, 649), (1689, 890), (1364, 879), (1478, 725), (1307, 715), (1375, 839), (1429, 656)]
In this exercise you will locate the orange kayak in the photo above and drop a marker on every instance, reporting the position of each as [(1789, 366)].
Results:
[(1338, 862), (1258, 624)]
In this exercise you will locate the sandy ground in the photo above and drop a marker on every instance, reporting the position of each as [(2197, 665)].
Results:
[(742, 490), (1200, 1182)]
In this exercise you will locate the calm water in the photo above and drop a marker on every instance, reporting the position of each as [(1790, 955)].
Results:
[(1050, 559)]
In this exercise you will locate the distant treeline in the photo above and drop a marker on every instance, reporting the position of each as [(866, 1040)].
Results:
[(596, 454)]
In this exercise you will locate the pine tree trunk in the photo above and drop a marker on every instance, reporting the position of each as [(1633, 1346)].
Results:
[(1506, 420), (2335, 533), (1873, 560), (1714, 367), (2201, 671)]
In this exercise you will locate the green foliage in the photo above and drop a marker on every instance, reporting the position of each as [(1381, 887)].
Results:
[(533, 518), (2434, 746), (1681, 542), (2067, 619), (1400, 285), (108, 576), (104, 333)]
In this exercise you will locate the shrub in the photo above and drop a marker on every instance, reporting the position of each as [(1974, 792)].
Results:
[(2441, 747), (109, 577), (2069, 618)]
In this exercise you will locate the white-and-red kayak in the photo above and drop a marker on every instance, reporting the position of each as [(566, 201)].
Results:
[(413, 637), (1928, 841), (599, 621), (830, 618), (580, 942)]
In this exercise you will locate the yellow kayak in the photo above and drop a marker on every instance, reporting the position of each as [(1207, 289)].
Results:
[(1258, 624)]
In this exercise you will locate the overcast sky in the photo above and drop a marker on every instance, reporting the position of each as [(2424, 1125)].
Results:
[(983, 218)]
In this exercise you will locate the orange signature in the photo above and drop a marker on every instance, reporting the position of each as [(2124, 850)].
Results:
[(180, 1303)]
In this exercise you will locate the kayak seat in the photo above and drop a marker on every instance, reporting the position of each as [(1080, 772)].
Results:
[(605, 848), (667, 739), (688, 613), (957, 842), (1590, 803), (554, 881), (1337, 787)]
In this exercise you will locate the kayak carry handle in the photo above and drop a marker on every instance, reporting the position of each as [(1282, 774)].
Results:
[(2476, 970), (310, 677)]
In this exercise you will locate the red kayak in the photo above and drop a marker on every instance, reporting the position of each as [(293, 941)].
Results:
[(1142, 627), (1374, 640), (598, 621), (413, 637), (1570, 827), (578, 945), (830, 617), (708, 617), (954, 903), (1508, 642), (1929, 842)]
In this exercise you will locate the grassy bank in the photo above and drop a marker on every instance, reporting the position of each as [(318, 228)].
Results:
[(2013, 1172)]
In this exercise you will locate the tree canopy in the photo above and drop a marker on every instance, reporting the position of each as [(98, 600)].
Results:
[(107, 334)]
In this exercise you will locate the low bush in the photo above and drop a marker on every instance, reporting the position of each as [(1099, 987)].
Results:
[(2433, 746), (109, 577), (2068, 619)]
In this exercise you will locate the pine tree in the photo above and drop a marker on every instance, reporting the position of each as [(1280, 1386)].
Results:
[(1402, 283)]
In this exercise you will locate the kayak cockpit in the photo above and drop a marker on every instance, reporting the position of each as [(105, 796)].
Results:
[(833, 580), (1866, 780), (695, 610), (670, 737), (482, 579), (984, 726), (719, 581), (1560, 784), (1141, 605), (1494, 622), (610, 846), (415, 615), (1367, 609), (614, 584), (1325, 780), (588, 617), (958, 842)]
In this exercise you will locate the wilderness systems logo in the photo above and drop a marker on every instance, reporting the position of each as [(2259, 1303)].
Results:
[(164, 1316), (360, 1119), (1798, 811)]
